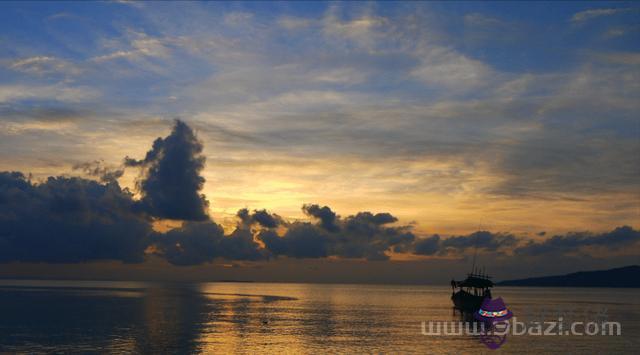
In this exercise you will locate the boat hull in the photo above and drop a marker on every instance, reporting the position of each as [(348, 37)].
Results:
[(466, 302)]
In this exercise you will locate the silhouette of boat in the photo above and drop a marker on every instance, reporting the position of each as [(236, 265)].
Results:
[(467, 295)]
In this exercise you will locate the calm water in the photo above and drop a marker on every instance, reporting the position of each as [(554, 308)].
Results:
[(116, 317)]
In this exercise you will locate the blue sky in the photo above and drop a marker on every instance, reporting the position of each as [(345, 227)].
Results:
[(519, 116)]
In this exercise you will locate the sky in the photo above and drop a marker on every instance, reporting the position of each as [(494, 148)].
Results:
[(359, 132)]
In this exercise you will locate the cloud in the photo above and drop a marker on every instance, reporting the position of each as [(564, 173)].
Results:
[(260, 217), (294, 23), (619, 238), (200, 242), (445, 67), (501, 244), (44, 65), (300, 102), (482, 239), (67, 220), (58, 92), (238, 18), (623, 58), (137, 55), (427, 246), (139, 46), (348, 76), (481, 20), (302, 240), (326, 216), (361, 30), (559, 126), (170, 184), (98, 169), (23, 113), (457, 245), (587, 15), (132, 3), (70, 220), (364, 235)]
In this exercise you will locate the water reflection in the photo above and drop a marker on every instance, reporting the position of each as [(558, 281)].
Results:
[(173, 318), (155, 319), (177, 318)]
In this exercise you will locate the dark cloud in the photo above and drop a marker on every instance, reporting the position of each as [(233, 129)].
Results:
[(364, 235), (98, 169), (199, 242), (326, 216), (482, 239), (378, 219), (501, 243), (275, 244), (261, 217), (171, 181), (457, 245), (68, 220), (302, 240), (427, 246), (74, 219), (618, 238), (367, 235)]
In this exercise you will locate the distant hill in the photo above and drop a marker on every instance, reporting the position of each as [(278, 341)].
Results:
[(628, 276)]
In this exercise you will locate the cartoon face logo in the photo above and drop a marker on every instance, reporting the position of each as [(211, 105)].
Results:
[(495, 316)]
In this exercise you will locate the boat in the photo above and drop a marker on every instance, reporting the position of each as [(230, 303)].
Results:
[(467, 295)]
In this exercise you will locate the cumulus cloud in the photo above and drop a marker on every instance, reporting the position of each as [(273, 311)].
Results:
[(72, 219), (324, 214), (199, 242), (170, 184), (481, 239), (302, 240), (76, 220), (268, 95), (427, 246), (260, 217), (68, 220), (364, 235)]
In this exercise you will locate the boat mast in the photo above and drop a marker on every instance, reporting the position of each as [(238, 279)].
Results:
[(475, 253)]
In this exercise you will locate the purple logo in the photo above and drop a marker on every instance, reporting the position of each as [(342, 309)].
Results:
[(495, 316)]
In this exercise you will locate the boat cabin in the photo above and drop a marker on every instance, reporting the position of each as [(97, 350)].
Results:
[(467, 295)]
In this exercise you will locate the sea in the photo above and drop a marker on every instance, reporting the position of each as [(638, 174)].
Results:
[(285, 318)]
